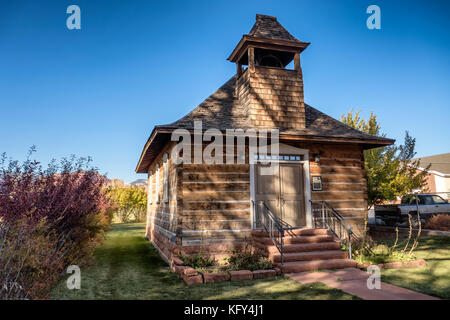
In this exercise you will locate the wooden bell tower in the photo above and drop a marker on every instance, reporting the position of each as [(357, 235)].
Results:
[(271, 93)]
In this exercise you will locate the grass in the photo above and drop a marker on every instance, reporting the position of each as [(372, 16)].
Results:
[(434, 279), (128, 267)]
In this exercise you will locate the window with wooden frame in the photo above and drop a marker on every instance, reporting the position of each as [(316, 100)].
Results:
[(281, 157), (166, 178), (157, 193), (150, 189)]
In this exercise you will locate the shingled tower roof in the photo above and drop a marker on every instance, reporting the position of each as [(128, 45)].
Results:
[(268, 27), (266, 31)]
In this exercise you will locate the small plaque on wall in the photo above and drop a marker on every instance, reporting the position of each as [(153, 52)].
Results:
[(316, 183)]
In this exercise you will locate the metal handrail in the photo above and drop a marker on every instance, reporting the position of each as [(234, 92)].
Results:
[(266, 219), (325, 216)]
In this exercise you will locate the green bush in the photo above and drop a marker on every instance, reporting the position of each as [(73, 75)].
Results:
[(198, 261), (366, 250), (379, 253), (247, 260)]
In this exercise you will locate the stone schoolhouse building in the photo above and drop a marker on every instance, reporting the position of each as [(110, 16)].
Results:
[(317, 190)]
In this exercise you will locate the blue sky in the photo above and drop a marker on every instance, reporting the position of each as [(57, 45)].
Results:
[(100, 90)]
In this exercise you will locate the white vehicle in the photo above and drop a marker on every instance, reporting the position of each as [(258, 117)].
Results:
[(426, 204)]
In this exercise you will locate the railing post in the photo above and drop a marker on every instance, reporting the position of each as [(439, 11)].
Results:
[(333, 221), (323, 214), (273, 227), (350, 244), (261, 213), (254, 214)]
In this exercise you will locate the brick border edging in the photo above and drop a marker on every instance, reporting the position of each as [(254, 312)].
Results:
[(190, 276), (395, 265)]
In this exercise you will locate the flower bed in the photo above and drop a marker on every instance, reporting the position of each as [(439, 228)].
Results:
[(241, 265)]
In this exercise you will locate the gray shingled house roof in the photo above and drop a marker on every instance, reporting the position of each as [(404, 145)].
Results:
[(440, 163)]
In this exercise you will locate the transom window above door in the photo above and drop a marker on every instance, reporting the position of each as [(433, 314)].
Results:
[(283, 157)]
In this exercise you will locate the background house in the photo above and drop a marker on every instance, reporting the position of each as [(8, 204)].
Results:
[(438, 180)]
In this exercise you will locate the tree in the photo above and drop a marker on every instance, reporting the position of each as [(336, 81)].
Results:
[(49, 219), (391, 171), (130, 202)]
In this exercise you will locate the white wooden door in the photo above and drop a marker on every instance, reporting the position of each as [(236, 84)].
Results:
[(283, 192)]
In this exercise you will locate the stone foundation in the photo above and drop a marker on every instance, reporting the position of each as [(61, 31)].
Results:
[(166, 248), (169, 250), (218, 251)]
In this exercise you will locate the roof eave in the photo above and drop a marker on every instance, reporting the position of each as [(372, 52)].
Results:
[(246, 40), (367, 143), (142, 167)]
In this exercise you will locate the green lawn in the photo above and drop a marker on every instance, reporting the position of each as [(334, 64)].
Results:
[(128, 267), (434, 279)]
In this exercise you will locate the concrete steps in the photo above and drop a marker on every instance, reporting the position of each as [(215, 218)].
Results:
[(301, 266), (309, 256), (304, 250), (299, 239), (304, 247), (294, 232)]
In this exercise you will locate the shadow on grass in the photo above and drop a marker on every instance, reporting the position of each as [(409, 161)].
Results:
[(128, 267)]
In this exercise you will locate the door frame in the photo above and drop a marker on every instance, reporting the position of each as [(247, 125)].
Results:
[(286, 149)]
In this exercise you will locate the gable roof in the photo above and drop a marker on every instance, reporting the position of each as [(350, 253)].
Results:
[(440, 163), (268, 27), (222, 111)]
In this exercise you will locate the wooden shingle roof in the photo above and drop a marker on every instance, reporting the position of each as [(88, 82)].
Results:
[(268, 27), (222, 111), (270, 34)]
